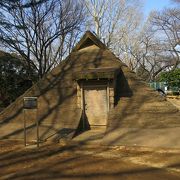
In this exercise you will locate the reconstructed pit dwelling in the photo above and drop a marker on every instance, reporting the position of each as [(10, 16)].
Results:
[(92, 96)]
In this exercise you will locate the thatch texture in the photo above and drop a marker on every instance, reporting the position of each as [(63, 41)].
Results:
[(136, 105)]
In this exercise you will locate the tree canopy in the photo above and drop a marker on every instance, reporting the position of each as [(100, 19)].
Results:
[(13, 78), (171, 77)]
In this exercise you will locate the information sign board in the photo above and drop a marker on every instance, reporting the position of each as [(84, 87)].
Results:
[(30, 103)]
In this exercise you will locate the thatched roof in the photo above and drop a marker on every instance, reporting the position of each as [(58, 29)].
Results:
[(97, 73), (136, 106), (87, 40)]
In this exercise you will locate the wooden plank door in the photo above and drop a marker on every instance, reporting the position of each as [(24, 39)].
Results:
[(96, 105)]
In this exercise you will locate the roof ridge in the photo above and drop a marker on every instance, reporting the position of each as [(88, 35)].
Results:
[(95, 40)]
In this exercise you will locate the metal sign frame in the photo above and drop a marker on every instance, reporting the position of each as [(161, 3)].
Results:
[(30, 103)]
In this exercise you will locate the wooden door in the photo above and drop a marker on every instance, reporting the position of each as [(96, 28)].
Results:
[(96, 105)]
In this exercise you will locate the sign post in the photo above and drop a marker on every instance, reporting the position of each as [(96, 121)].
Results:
[(30, 103), (24, 127)]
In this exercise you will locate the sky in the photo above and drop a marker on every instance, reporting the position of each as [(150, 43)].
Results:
[(150, 5)]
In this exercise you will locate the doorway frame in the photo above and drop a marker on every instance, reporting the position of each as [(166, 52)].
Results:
[(85, 87), (81, 95)]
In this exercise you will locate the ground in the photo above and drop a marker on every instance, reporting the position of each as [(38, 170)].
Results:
[(175, 102), (56, 161)]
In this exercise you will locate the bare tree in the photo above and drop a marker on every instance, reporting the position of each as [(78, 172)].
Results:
[(12, 3), (39, 32), (167, 27), (158, 43), (112, 19)]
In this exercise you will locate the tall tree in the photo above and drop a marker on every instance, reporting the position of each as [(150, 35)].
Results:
[(158, 43), (167, 26), (38, 31), (113, 19), (12, 3)]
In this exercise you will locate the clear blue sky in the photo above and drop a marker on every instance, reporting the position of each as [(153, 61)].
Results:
[(150, 5)]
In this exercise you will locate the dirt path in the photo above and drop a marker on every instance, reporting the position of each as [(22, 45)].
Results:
[(175, 102), (71, 162)]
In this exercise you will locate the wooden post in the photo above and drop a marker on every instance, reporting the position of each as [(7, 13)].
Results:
[(37, 125), (108, 96), (24, 127)]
